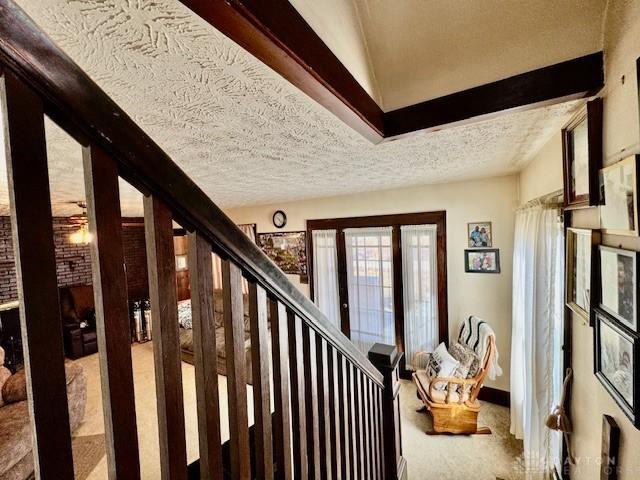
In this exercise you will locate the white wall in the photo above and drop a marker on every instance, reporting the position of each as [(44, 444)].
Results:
[(621, 137), (488, 296)]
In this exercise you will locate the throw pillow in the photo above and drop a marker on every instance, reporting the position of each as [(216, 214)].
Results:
[(184, 314), (469, 362), (5, 374), (441, 364)]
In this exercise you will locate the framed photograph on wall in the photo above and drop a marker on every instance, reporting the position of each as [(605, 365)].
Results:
[(482, 260), (479, 234), (619, 197), (580, 279), (582, 156), (619, 285), (616, 364), (288, 250)]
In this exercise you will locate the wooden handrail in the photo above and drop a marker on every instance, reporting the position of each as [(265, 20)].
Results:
[(82, 109)]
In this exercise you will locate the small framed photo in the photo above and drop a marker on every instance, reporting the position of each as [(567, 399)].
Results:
[(619, 197), (616, 364), (479, 234), (580, 281), (619, 285), (582, 156), (482, 260)]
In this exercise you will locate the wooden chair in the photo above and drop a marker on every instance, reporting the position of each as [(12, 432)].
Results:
[(451, 411)]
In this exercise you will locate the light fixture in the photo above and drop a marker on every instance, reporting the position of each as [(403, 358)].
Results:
[(82, 236)]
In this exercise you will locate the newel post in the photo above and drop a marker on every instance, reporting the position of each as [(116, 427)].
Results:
[(387, 359)]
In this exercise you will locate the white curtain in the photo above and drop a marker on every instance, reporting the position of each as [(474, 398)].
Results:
[(370, 286), (420, 287), (250, 231), (325, 274), (538, 265)]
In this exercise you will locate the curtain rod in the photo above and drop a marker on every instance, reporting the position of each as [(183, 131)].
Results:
[(549, 200)]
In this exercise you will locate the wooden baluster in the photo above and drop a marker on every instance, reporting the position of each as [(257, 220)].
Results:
[(357, 384), (282, 414), (112, 313), (236, 371), (379, 436), (373, 442), (32, 230), (263, 447), (166, 343), (343, 412), (324, 418), (335, 456), (387, 359), (205, 357), (351, 423), (311, 400), (366, 438), (299, 416)]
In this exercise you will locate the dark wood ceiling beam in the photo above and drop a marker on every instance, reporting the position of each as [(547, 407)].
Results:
[(577, 78), (277, 35)]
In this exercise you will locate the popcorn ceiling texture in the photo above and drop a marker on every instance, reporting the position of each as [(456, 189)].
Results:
[(244, 134)]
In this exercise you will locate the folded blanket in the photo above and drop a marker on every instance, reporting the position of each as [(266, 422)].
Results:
[(475, 333)]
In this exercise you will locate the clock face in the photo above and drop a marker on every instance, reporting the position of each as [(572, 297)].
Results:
[(279, 219)]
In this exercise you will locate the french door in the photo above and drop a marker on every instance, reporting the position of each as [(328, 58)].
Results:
[(382, 279)]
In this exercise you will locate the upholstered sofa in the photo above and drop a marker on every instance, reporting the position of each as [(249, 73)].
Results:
[(186, 334), (16, 459), (77, 309)]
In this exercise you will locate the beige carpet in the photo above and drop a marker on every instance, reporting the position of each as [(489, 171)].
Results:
[(477, 457)]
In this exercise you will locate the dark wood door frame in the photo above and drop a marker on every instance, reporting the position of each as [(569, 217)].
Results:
[(395, 221)]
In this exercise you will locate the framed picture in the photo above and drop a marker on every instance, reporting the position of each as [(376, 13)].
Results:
[(619, 285), (582, 156), (288, 250), (616, 364), (619, 197), (482, 260), (479, 234), (580, 281)]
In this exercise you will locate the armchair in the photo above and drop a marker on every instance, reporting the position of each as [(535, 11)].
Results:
[(78, 321)]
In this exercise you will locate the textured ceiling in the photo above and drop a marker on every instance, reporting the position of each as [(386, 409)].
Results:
[(404, 52), (244, 134)]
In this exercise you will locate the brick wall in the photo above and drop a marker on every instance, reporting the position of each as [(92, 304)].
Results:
[(73, 261)]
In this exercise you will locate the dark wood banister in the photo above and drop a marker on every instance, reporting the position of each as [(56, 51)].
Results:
[(79, 106)]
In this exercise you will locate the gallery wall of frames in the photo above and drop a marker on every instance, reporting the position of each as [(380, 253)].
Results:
[(603, 279)]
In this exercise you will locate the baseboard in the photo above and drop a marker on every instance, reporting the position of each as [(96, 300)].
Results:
[(494, 395)]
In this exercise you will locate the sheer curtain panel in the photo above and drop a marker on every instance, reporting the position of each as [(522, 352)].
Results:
[(538, 285), (370, 286), (325, 274), (420, 288)]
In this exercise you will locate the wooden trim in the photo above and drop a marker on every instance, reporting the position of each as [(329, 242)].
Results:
[(166, 343), (40, 324), (204, 355), (110, 294), (233, 315), (79, 106), (495, 396), (343, 289), (577, 78), (277, 35)]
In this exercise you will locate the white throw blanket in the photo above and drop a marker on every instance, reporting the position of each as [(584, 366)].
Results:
[(475, 333)]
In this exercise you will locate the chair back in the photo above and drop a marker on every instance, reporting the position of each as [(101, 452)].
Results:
[(480, 337)]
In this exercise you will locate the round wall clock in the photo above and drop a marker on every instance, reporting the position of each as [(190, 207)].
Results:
[(279, 219)]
